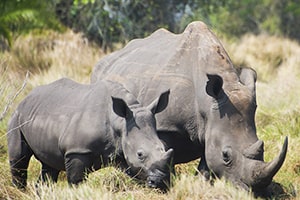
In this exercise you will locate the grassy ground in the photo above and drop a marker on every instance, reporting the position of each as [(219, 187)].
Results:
[(53, 55)]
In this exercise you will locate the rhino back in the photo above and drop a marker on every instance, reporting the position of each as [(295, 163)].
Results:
[(176, 61), (65, 117)]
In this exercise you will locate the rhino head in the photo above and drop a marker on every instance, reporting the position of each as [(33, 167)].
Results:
[(232, 149), (143, 151)]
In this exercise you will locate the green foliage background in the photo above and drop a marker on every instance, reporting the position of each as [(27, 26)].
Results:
[(22, 16), (117, 21)]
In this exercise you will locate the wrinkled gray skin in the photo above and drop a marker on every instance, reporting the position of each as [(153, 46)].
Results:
[(80, 128), (212, 105)]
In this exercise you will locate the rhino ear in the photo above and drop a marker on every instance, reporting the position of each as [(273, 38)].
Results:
[(214, 86), (121, 108), (248, 77), (160, 103)]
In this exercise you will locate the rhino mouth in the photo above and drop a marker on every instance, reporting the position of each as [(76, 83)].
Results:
[(158, 179), (154, 179)]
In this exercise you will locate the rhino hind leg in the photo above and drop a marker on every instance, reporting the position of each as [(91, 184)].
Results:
[(19, 157), (78, 166), (19, 172)]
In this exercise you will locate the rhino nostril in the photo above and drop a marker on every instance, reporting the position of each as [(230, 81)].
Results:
[(151, 183), (141, 155)]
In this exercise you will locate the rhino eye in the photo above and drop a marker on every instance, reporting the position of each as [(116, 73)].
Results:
[(227, 155)]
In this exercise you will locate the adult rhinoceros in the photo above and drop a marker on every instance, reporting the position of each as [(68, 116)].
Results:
[(212, 106), (79, 128)]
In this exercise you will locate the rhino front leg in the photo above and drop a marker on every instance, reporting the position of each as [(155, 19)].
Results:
[(48, 174), (78, 166), (203, 169)]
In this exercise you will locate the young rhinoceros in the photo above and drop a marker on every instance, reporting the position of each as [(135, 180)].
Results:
[(80, 128)]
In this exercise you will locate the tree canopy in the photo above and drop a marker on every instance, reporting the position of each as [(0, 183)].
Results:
[(110, 21), (21, 16)]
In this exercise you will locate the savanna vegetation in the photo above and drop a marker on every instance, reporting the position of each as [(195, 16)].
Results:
[(41, 41)]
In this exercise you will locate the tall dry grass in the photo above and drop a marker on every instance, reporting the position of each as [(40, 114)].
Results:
[(51, 55)]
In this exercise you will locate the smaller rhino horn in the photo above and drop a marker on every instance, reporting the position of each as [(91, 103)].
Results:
[(255, 151)]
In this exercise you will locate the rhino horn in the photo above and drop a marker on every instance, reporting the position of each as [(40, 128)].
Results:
[(166, 158), (168, 154), (272, 167), (255, 151), (268, 170)]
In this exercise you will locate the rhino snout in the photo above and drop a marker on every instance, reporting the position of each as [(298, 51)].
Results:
[(158, 179)]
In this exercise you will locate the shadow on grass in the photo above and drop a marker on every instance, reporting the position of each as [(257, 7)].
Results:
[(277, 191)]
